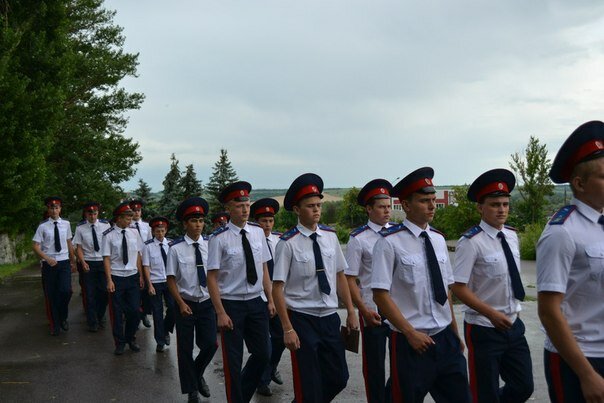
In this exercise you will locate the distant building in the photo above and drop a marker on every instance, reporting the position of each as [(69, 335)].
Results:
[(444, 198)]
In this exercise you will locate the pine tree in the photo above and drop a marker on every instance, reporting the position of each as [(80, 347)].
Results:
[(189, 183), (143, 191), (172, 195), (223, 174)]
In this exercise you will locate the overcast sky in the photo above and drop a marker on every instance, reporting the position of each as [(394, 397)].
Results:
[(355, 90)]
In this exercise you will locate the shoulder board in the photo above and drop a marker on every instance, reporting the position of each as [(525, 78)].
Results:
[(359, 230), (510, 228), (177, 240), (438, 232), (392, 223), (148, 241), (82, 222), (277, 233), (108, 230), (44, 220), (220, 230), (393, 230), (205, 237), (472, 231), (103, 221), (326, 228), (290, 234), (255, 224), (560, 217)]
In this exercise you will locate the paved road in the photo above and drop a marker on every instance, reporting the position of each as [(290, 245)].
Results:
[(79, 366)]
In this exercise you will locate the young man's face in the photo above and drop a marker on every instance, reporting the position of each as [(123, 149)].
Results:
[(239, 211), (91, 216), (494, 210), (590, 189), (194, 227), (379, 212), (137, 214), (266, 223), (308, 211), (420, 208), (159, 232), (54, 211), (123, 220)]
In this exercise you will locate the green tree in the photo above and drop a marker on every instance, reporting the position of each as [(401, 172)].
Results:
[(455, 219), (285, 220), (189, 183), (172, 195), (143, 191), (532, 171), (223, 174), (351, 215)]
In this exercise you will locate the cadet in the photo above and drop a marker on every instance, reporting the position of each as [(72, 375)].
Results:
[(121, 252), (487, 281), (374, 197), (88, 241), (410, 275), (219, 219), (570, 272), (237, 275), (264, 211), (52, 243), (144, 230), (155, 256), (309, 268), (195, 315)]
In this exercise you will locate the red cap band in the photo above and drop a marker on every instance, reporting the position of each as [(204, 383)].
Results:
[(236, 194), (375, 192), (193, 210), (415, 186), (584, 151), (53, 202), (136, 206), (492, 188), (124, 209), (219, 218), (264, 210), (305, 191), (158, 223)]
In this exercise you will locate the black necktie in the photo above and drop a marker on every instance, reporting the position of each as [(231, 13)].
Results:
[(201, 273), (270, 263), (57, 238), (601, 220), (163, 254), (440, 295), (95, 240), (319, 266), (512, 268), (138, 229), (124, 248), (250, 265)]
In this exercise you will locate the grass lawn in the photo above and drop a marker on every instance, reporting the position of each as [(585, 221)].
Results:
[(7, 270)]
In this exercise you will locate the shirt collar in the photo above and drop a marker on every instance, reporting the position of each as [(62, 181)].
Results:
[(588, 212), (376, 227), (237, 229), (490, 230), (307, 232), (415, 230), (189, 241)]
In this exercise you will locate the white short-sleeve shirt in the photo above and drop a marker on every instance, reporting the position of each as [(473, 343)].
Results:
[(112, 247), (152, 258), (83, 237), (183, 267), (45, 236), (145, 229)]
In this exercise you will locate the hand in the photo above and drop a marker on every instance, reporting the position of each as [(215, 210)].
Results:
[(141, 283), (185, 310), (352, 321), (51, 262), (291, 340), (74, 267), (224, 322), (592, 387), (85, 266), (152, 290), (372, 318), (500, 321), (419, 341), (110, 286), (272, 311)]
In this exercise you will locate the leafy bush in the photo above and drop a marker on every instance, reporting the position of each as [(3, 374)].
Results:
[(528, 241)]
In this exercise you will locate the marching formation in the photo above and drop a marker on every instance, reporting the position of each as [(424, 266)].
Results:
[(275, 291)]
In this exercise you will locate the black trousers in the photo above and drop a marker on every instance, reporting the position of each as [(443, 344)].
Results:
[(124, 304), (493, 353), (375, 340), (56, 282), (440, 371), (95, 292), (276, 348), (201, 328), (162, 325), (562, 383)]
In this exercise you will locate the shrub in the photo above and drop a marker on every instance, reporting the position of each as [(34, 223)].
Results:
[(528, 241)]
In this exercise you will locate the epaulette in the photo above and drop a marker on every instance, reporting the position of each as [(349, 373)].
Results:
[(177, 240), (103, 221), (108, 230), (393, 230), (359, 230), (255, 224), (148, 241), (472, 231), (510, 228), (560, 217), (392, 223), (81, 223), (277, 233), (219, 230), (290, 234), (326, 228), (438, 232), (205, 237)]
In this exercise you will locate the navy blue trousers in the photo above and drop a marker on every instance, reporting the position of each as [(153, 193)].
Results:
[(562, 383), (162, 325), (374, 341), (125, 302), (440, 371), (57, 292), (95, 292), (250, 324), (201, 327), (319, 365), (493, 353), (276, 348)]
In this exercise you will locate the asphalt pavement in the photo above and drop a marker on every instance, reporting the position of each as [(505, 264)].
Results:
[(79, 366)]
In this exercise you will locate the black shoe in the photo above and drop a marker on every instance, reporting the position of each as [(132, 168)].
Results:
[(119, 349), (203, 387), (160, 348), (55, 332), (101, 322), (146, 322), (167, 339), (93, 328), (193, 397), (134, 347), (65, 325), (264, 390), (276, 377)]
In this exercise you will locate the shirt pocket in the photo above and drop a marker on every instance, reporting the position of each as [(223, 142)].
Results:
[(409, 268), (304, 264), (492, 266), (595, 259), (234, 257), (328, 255)]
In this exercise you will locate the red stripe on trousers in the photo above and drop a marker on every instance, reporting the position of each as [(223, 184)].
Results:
[(397, 395), (47, 306), (554, 362), (471, 363), (299, 396), (112, 316), (365, 369), (225, 366)]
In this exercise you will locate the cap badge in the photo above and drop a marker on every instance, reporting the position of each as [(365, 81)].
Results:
[(500, 186), (599, 145), (428, 181), (382, 190), (267, 209), (241, 192), (314, 189)]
